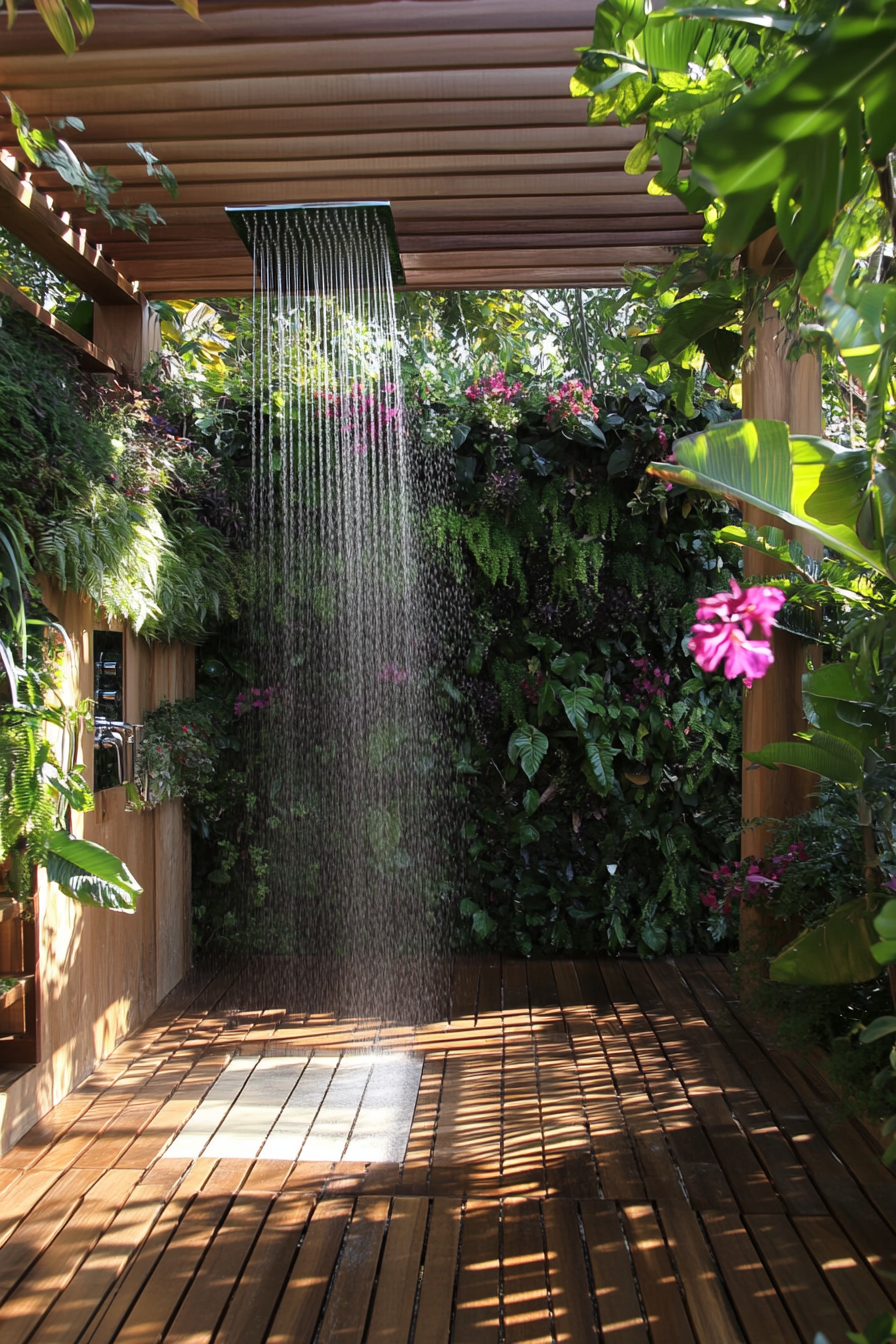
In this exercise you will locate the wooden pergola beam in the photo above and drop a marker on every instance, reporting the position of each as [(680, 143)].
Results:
[(91, 357), (25, 212)]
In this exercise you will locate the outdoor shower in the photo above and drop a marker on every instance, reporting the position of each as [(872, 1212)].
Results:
[(350, 755)]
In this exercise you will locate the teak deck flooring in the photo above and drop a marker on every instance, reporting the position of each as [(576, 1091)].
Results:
[(601, 1150)]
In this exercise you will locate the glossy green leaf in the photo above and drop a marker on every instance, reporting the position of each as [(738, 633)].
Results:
[(88, 873), (578, 705), (885, 920), (684, 323), (797, 138), (881, 1026), (600, 753), (82, 16), (835, 952), (754, 17), (528, 746), (884, 952), (756, 462), (823, 754)]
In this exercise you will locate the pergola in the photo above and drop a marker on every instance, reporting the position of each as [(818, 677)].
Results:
[(457, 111)]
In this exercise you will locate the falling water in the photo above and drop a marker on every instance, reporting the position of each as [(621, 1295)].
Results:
[(352, 759)]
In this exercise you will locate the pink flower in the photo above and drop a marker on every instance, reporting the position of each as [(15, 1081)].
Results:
[(723, 628)]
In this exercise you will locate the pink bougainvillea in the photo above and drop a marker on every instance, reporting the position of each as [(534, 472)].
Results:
[(494, 388), (571, 399), (750, 879), (256, 697), (723, 630), (363, 417)]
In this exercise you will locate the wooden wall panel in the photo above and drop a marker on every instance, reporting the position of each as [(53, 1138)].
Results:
[(104, 972)]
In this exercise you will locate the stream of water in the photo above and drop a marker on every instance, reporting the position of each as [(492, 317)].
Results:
[(352, 764)]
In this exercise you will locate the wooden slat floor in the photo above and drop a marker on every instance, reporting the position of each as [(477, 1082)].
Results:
[(601, 1150)]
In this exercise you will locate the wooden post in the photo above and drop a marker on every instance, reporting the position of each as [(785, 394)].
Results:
[(775, 388), (130, 333)]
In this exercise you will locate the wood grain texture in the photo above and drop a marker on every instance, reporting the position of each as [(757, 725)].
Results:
[(498, 1222), (286, 103)]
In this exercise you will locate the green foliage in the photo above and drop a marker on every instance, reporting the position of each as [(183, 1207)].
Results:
[(600, 771), (115, 502), (845, 497), (89, 874), (838, 951), (179, 750), (40, 782)]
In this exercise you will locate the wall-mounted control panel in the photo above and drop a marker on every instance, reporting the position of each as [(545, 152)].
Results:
[(114, 740)]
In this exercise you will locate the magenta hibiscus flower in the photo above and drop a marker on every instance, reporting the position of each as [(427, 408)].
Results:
[(723, 630)]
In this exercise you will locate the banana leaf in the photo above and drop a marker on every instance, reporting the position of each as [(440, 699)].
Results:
[(842, 496), (88, 873), (836, 952), (821, 754)]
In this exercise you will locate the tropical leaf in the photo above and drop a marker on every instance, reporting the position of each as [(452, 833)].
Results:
[(578, 705), (528, 746), (825, 755), (835, 952), (808, 482), (797, 139), (600, 753), (56, 17), (885, 920), (684, 323), (881, 1026), (88, 873)]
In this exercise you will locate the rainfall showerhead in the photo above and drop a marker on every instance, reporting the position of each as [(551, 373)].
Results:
[(302, 217)]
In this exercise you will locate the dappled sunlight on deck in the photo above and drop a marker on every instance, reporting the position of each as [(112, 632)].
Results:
[(582, 1151)]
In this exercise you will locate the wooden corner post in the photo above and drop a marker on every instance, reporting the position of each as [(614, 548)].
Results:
[(130, 333), (775, 388)]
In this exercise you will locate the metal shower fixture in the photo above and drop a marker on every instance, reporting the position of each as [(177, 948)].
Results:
[(302, 217)]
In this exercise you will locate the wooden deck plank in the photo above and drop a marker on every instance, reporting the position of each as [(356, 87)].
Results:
[(26, 1307), (618, 1304), (249, 1312), (666, 1315), (573, 1306), (439, 1270), (859, 1293), (527, 1316), (210, 1289), (708, 1306), (396, 1289), (104, 1328), (345, 1318), (76, 1306), (418, 1158), (297, 1316), (796, 1278), (35, 1232), (522, 1156), (760, 1310), (477, 1315)]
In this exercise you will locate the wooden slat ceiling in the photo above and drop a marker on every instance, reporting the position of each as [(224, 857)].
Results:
[(457, 111)]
